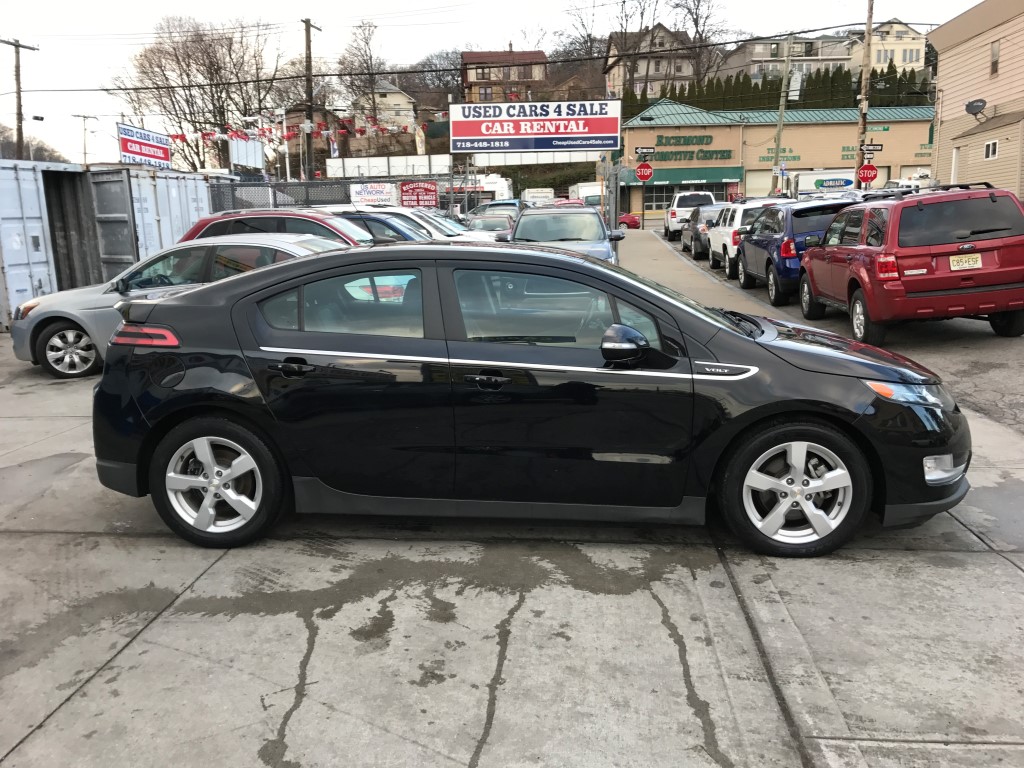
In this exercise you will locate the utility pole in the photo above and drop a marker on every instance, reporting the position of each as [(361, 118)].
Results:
[(308, 137), (19, 136), (777, 172), (865, 94), (85, 134)]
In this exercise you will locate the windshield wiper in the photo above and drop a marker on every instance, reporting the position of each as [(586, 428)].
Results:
[(525, 240), (568, 240), (986, 231), (749, 326)]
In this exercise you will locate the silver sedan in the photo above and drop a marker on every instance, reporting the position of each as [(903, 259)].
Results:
[(66, 333)]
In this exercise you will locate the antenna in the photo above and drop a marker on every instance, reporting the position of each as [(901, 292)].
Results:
[(976, 107)]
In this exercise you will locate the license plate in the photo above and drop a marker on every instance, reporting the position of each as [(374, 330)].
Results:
[(967, 261)]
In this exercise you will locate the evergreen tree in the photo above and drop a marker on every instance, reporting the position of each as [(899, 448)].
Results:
[(913, 94), (698, 96), (755, 96), (924, 92), (644, 102), (745, 92), (663, 91), (691, 93), (729, 93), (855, 91), (891, 78)]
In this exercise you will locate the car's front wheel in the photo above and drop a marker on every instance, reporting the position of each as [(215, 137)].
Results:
[(65, 351), (216, 483), (864, 328), (1007, 323), (746, 279), (811, 308), (776, 295), (796, 489)]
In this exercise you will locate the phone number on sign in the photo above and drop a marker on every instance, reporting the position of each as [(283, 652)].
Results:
[(483, 144)]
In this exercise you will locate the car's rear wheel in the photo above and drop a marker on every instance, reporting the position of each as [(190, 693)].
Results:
[(65, 351), (216, 483), (747, 280), (1007, 323), (811, 308), (795, 489), (730, 264), (776, 295), (864, 328)]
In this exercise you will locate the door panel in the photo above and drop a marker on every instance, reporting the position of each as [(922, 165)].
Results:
[(538, 415)]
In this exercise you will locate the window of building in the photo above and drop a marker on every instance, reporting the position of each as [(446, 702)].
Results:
[(486, 93), (991, 149), (507, 73), (679, 66), (482, 73), (808, 49), (994, 57), (659, 42), (657, 65), (900, 35), (773, 50)]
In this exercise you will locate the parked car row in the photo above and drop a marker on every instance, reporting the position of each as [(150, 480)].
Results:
[(942, 252)]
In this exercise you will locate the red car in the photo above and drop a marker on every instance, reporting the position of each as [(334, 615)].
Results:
[(950, 251), (629, 220), (297, 221)]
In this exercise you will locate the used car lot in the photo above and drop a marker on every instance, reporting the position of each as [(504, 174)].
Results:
[(328, 642)]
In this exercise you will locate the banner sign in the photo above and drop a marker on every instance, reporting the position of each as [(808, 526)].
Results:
[(141, 147), (379, 192), (418, 194), (536, 126)]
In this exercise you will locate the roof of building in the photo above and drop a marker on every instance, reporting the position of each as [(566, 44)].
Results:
[(628, 40), (500, 58), (999, 121), (666, 112)]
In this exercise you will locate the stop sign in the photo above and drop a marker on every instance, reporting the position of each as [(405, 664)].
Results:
[(644, 172), (867, 173)]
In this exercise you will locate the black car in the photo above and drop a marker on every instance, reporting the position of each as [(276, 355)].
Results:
[(693, 235), (511, 381)]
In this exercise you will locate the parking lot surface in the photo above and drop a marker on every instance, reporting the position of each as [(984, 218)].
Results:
[(435, 642)]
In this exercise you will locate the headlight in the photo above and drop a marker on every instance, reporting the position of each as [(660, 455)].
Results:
[(23, 309), (933, 395)]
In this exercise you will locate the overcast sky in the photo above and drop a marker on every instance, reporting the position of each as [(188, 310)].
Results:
[(81, 47)]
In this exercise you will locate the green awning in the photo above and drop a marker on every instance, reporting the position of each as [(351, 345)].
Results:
[(716, 175)]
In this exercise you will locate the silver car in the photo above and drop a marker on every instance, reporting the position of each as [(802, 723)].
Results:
[(575, 229), (66, 333)]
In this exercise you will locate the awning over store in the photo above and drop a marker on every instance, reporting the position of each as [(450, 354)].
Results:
[(717, 175)]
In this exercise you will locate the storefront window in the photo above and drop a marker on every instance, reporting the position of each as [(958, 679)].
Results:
[(658, 197)]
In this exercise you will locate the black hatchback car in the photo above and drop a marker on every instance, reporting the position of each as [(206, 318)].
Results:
[(511, 381)]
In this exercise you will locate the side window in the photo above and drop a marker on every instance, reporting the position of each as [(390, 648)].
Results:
[(520, 308), (730, 221), (296, 226), (758, 225), (215, 229), (178, 268), (413, 224), (371, 303), (282, 311), (231, 260), (248, 225), (280, 256), (835, 229), (380, 228), (851, 233), (878, 220), (361, 223)]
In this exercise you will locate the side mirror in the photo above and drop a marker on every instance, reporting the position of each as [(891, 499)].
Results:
[(621, 344), (121, 286), (617, 234), (741, 231), (811, 241), (504, 237)]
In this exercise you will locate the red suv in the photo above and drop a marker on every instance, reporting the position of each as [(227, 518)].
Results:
[(295, 221), (951, 251)]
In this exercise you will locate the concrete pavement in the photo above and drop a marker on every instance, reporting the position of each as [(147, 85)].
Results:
[(363, 642)]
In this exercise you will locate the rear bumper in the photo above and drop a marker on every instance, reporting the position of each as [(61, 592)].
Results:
[(120, 476), (890, 301), (903, 515)]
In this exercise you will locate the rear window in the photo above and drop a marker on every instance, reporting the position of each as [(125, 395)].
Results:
[(813, 219), (688, 201), (957, 221), (749, 215)]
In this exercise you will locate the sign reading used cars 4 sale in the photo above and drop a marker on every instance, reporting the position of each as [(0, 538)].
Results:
[(536, 126), (141, 147)]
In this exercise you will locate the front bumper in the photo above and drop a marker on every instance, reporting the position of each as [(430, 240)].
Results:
[(906, 515), (21, 337), (120, 476)]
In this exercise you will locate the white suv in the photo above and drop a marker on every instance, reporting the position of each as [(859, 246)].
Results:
[(722, 238), (679, 211)]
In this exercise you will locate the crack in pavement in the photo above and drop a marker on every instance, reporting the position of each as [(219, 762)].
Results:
[(701, 708), (504, 628), (273, 750)]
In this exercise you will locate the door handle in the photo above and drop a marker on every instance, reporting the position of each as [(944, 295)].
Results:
[(292, 367), (487, 382)]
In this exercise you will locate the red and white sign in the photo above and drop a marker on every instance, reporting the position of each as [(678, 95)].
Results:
[(867, 173), (644, 172), (418, 194), (141, 147), (536, 126)]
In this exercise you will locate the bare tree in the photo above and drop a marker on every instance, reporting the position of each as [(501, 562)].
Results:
[(360, 68), (707, 32), (434, 78), (201, 78), (37, 150), (290, 86), (641, 16)]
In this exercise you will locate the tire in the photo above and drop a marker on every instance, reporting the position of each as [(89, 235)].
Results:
[(665, 233), (730, 264), (242, 513), (1007, 323), (714, 261), (747, 280), (698, 255), (864, 329), (682, 245), (65, 351), (776, 296), (811, 308), (758, 473)]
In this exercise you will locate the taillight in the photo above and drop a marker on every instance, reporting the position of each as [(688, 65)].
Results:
[(703, 229), (735, 239), (788, 250), (135, 335), (886, 267), (671, 213)]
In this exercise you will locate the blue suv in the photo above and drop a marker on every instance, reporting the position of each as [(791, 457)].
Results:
[(384, 225), (771, 246)]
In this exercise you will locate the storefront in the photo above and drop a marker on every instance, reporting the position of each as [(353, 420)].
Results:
[(732, 153)]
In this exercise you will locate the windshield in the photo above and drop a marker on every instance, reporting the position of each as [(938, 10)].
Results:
[(511, 210), (558, 227), (318, 244), (957, 221), (353, 231), (437, 222), (491, 223), (814, 219), (411, 231)]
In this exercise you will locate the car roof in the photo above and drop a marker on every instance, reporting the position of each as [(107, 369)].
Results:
[(257, 238), (927, 196), (804, 205), (238, 213), (559, 210)]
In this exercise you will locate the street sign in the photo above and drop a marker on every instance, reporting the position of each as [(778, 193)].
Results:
[(870, 147), (869, 155), (644, 151), (867, 173), (644, 172)]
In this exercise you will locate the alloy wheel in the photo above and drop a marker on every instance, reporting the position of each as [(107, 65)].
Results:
[(858, 320), (797, 492), (773, 289), (70, 351), (805, 297)]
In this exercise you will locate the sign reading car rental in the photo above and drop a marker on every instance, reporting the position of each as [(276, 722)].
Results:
[(141, 147), (536, 126)]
